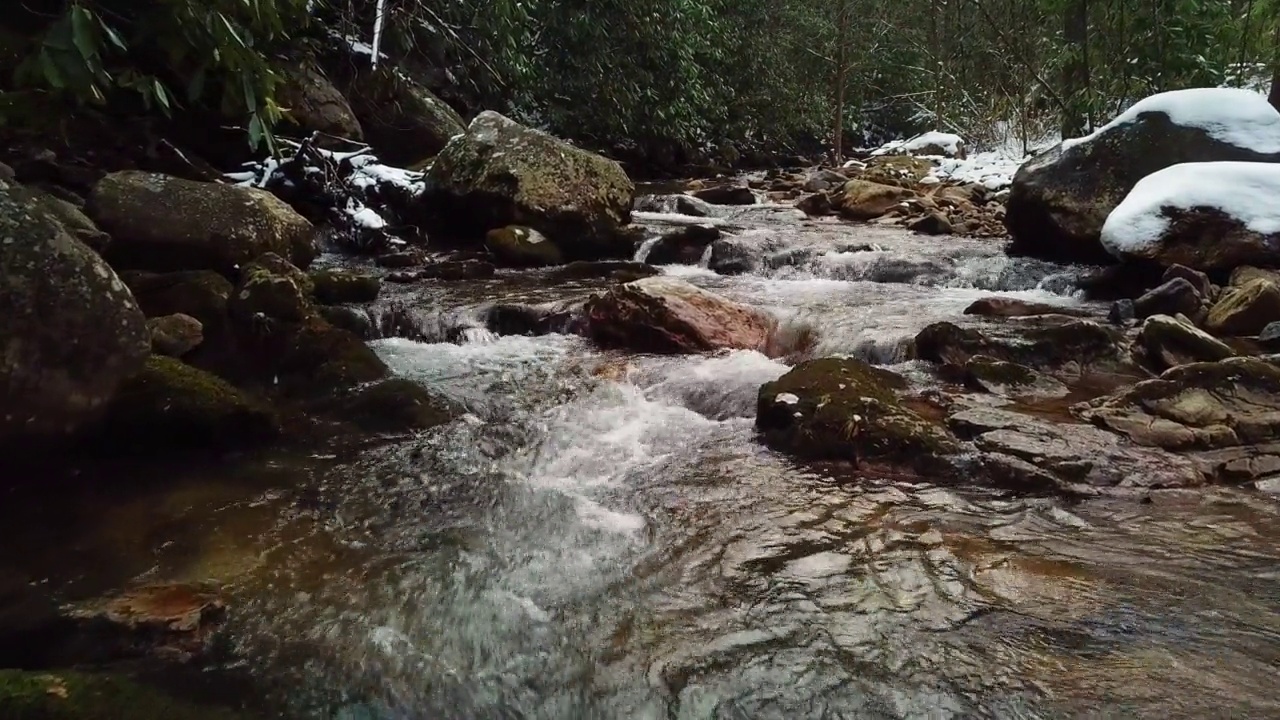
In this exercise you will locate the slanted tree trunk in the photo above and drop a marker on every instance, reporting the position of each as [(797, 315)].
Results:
[(842, 26), (1075, 74), (1274, 97)]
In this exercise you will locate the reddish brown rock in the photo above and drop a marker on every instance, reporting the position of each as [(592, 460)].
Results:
[(1012, 307), (665, 315), (170, 620)]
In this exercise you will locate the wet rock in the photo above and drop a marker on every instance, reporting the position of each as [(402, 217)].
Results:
[(201, 294), (1173, 297), (586, 270), (533, 320), (1060, 198), (844, 409), (273, 288), (1269, 338), (1123, 313), (822, 180), (311, 357), (1204, 405), (1069, 458), (1198, 280), (516, 246), (862, 200), (729, 257), (501, 173), (683, 246), (1074, 345), (336, 287), (680, 204), (393, 405), (457, 270), (170, 404), (353, 320), (400, 260), (726, 195), (934, 223), (815, 205), (70, 331), (314, 103), (1007, 379), (66, 695), (175, 335), (1012, 307), (1119, 282), (172, 621), (66, 214), (163, 223), (1245, 274), (666, 315), (1245, 309), (1170, 342)]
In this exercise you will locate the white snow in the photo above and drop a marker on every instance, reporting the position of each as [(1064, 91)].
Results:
[(369, 172), (786, 399), (950, 144), (1230, 115), (367, 218), (1242, 190)]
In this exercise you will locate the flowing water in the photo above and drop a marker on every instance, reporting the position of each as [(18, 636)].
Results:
[(587, 544)]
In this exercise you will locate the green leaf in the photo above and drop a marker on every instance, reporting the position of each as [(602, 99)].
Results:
[(112, 35), (82, 33), (195, 86), (256, 131), (52, 75), (162, 95)]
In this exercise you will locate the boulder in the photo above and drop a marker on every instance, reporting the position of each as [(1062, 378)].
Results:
[(1075, 345), (336, 287), (171, 404), (71, 217), (999, 377), (898, 170), (1060, 199), (70, 332), (666, 315), (516, 246), (822, 180), (1245, 309), (1173, 297), (164, 224), (726, 195), (312, 103), (932, 223), (354, 320), (201, 294), (1209, 216), (272, 288), (1244, 274), (815, 205), (1205, 405), (501, 173), (170, 621), (1012, 307), (1200, 281), (729, 257), (683, 246), (863, 200), (1170, 342), (404, 122), (393, 405), (400, 260), (175, 335), (844, 409), (308, 358), (1269, 338)]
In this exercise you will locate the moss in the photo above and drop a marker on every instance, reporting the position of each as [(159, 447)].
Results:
[(83, 696), (316, 357), (274, 288), (336, 287)]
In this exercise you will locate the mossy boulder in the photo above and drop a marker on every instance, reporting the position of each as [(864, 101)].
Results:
[(70, 331), (1170, 342), (516, 246), (897, 170), (68, 695), (272, 288), (310, 358), (71, 217), (170, 403), (1245, 309), (201, 294), (865, 200), (1078, 344), (845, 409), (337, 287), (393, 405), (164, 224), (501, 173)]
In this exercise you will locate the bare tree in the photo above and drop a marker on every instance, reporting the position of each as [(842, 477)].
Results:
[(1274, 98), (1075, 74), (842, 42)]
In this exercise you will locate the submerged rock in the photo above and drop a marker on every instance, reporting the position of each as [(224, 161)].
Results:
[(70, 331), (844, 409), (393, 405), (683, 246), (172, 621), (164, 223), (665, 315), (516, 246), (617, 269), (1176, 296)]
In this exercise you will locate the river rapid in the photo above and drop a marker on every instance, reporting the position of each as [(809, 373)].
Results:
[(602, 536)]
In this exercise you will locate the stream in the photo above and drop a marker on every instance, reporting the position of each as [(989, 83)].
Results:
[(615, 543)]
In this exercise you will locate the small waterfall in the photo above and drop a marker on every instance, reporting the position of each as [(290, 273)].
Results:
[(646, 247)]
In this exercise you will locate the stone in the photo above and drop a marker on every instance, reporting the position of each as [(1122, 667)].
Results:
[(1122, 313), (165, 224), (501, 173), (71, 217), (1203, 405), (272, 288), (844, 409), (1245, 274), (392, 406), (175, 335), (400, 260), (516, 246), (458, 270), (822, 180), (1270, 336), (815, 205), (1012, 307), (667, 315), (313, 104), (683, 246), (863, 200), (71, 332), (533, 320), (933, 223), (999, 377), (729, 257), (897, 170), (1060, 198), (405, 123), (1245, 309), (176, 622), (585, 270), (1170, 342), (1173, 297), (1075, 344), (170, 404), (726, 195), (1198, 280), (354, 320), (337, 287)]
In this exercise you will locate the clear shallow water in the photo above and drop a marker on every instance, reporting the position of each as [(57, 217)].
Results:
[(602, 537)]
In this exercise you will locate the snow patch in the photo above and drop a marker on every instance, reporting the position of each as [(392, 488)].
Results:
[(1242, 190), (992, 170), (786, 399), (1230, 115), (951, 144)]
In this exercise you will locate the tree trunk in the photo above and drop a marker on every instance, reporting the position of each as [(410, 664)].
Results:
[(1274, 97), (1075, 74), (842, 26)]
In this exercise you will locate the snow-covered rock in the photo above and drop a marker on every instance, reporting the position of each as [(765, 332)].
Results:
[(1207, 216), (934, 144), (1061, 198)]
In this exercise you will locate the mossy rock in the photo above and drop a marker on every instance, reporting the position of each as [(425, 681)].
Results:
[(170, 403), (273, 288), (898, 170), (66, 214), (336, 287), (516, 246), (201, 294), (315, 357), (1245, 309), (393, 405), (845, 409), (1081, 342), (85, 696)]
